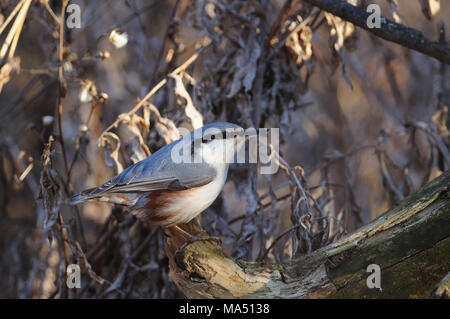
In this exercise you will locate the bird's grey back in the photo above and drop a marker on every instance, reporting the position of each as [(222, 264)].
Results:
[(160, 168)]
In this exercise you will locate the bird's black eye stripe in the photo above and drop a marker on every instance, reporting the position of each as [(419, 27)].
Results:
[(209, 138)]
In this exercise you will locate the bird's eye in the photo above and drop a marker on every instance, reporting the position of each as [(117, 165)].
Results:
[(207, 139)]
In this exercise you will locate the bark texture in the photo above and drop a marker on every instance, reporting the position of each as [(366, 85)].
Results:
[(410, 243)]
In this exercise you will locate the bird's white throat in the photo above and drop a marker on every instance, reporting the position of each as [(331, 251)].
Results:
[(221, 151)]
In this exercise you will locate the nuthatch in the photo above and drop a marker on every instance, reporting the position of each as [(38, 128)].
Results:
[(165, 191)]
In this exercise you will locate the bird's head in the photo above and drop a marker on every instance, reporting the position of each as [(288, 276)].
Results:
[(219, 142)]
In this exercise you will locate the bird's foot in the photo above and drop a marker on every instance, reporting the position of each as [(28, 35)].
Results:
[(193, 238)]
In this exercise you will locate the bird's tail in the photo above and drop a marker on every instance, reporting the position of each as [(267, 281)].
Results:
[(99, 194), (76, 199), (84, 196)]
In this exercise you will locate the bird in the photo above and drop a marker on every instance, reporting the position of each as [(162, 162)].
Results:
[(168, 192)]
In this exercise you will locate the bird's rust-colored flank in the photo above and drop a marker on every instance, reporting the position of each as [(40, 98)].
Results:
[(159, 219), (123, 197), (158, 201)]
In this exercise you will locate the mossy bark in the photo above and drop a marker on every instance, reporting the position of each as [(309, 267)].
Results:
[(410, 243)]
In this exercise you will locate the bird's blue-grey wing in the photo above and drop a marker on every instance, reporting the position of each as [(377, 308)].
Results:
[(157, 172), (171, 177)]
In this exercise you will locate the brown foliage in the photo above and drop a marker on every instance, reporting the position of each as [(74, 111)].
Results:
[(366, 119)]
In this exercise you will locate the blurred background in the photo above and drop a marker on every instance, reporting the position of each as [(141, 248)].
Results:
[(363, 123)]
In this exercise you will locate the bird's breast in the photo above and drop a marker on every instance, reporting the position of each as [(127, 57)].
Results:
[(168, 207)]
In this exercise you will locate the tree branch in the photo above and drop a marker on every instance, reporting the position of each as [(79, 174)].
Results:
[(442, 290), (390, 30), (410, 243)]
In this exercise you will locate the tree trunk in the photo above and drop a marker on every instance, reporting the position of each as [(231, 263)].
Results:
[(410, 243)]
